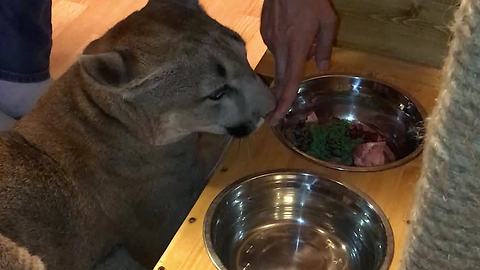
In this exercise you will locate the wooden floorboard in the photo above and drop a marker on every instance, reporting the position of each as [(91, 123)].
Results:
[(77, 22)]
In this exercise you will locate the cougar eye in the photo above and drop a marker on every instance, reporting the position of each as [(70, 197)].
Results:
[(219, 93)]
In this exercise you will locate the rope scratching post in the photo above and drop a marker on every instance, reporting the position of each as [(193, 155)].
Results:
[(445, 228)]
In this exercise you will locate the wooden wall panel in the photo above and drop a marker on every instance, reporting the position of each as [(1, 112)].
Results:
[(412, 30)]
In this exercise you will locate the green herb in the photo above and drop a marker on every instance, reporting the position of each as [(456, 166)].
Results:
[(332, 142)]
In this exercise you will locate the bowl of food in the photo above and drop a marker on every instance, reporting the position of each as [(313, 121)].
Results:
[(354, 124), (294, 220)]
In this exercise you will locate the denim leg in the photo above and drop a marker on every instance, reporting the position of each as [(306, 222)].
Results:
[(25, 40)]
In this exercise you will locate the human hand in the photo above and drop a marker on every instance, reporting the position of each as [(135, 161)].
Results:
[(294, 31)]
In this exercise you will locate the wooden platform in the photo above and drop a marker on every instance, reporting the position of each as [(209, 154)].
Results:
[(392, 190)]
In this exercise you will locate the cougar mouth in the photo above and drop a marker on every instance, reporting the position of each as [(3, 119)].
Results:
[(244, 129), (240, 131)]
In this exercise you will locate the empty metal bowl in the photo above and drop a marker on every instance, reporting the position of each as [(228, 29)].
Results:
[(296, 221), (392, 113)]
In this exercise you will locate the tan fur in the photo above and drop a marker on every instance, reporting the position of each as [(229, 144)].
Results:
[(15, 257), (111, 156)]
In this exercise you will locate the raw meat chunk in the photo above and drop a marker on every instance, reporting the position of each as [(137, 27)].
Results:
[(372, 154), (312, 118)]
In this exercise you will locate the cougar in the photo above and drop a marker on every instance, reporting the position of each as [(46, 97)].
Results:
[(103, 171)]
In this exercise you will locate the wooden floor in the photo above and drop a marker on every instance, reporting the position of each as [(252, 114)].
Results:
[(77, 22)]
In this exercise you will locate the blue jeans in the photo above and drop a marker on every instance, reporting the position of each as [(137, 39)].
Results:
[(25, 40)]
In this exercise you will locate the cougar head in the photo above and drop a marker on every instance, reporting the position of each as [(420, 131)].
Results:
[(170, 70)]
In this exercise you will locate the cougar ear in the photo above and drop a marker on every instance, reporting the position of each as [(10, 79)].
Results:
[(108, 69)]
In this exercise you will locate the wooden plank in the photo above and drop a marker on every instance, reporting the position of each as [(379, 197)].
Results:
[(412, 30), (392, 190), (91, 19), (77, 22), (63, 13), (244, 18)]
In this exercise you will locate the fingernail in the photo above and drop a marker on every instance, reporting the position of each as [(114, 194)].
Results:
[(324, 65)]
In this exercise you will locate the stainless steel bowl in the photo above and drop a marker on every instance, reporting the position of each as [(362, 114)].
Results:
[(296, 221), (395, 114)]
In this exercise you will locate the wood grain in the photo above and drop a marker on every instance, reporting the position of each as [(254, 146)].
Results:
[(77, 22), (392, 189), (412, 30), (244, 18)]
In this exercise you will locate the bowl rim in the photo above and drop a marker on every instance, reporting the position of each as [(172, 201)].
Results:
[(206, 232), (397, 163)]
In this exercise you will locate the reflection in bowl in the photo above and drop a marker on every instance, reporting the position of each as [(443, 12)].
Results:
[(395, 116), (296, 221)]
